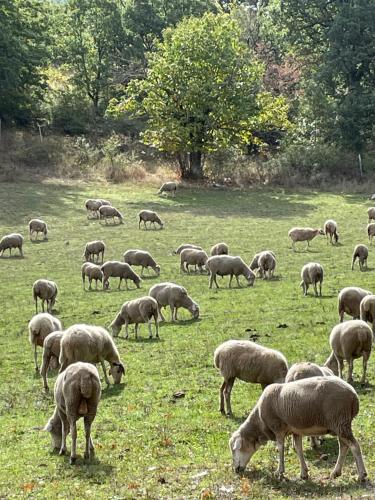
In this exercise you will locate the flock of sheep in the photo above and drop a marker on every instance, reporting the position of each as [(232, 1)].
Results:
[(304, 400)]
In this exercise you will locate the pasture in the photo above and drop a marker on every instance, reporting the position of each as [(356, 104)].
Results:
[(149, 443)]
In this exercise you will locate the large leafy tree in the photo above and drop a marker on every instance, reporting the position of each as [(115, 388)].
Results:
[(203, 92)]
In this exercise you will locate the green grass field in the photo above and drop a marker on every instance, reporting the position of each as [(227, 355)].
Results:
[(147, 443)]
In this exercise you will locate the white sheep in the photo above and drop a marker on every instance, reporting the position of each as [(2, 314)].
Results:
[(266, 262), (91, 344), (228, 265), (220, 249), (330, 230), (186, 245), (174, 296), (192, 257), (93, 248), (10, 241), (141, 310), (77, 394), (141, 258), (249, 362), (349, 300), (38, 226), (168, 187), (117, 269), (93, 272), (371, 231), (307, 407), (361, 253), (151, 217), (350, 340), (371, 213), (367, 310), (46, 291), (312, 274), (303, 234), (254, 264), (40, 326), (51, 354), (108, 212)]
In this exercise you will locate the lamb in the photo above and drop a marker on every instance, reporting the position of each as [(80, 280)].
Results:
[(174, 296), (224, 265), (93, 205), (46, 291), (93, 248), (51, 354), (186, 245), (312, 274), (40, 326), (117, 269), (360, 253), (168, 187), (371, 213), (249, 362), (38, 226), (371, 232), (141, 258), (91, 344), (220, 249), (303, 234), (266, 262), (93, 272), (77, 394), (149, 216), (330, 230), (10, 241), (350, 340), (367, 310), (349, 301), (192, 257), (302, 408), (107, 212), (137, 311)]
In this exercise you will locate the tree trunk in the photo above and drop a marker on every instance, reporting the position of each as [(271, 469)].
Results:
[(196, 165)]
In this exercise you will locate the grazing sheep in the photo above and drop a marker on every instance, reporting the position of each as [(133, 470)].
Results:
[(349, 340), (224, 265), (137, 311), (367, 310), (186, 245), (77, 394), (46, 291), (349, 301), (254, 264), (168, 187), (220, 249), (93, 205), (174, 296), (330, 230), (151, 217), (371, 213), (51, 353), (40, 326), (303, 234), (266, 262), (311, 274), (108, 212), (93, 272), (117, 269), (360, 253), (93, 248), (38, 226), (141, 258), (307, 407), (371, 231), (91, 344), (249, 362), (10, 241), (192, 257)]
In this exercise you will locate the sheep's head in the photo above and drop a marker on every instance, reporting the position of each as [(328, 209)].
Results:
[(194, 309), (336, 237), (321, 232), (54, 428), (242, 451), (117, 370), (115, 327), (157, 270), (138, 282), (105, 284), (250, 278)]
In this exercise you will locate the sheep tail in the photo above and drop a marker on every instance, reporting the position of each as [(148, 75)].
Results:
[(85, 384)]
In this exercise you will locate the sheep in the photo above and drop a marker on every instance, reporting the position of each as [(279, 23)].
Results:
[(266, 262), (186, 245), (93, 272), (303, 234), (38, 226), (10, 241), (192, 257), (107, 212), (360, 253), (350, 340), (77, 394), (367, 310), (349, 300), (224, 265), (141, 258), (330, 230), (46, 291), (51, 353), (93, 205), (371, 213), (137, 311), (307, 407), (40, 326), (220, 249), (91, 344), (174, 296), (168, 187), (117, 269), (149, 216), (371, 232), (249, 362), (311, 274), (93, 248), (254, 264)]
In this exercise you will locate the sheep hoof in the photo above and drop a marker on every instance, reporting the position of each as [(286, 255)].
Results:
[(72, 460), (304, 476), (363, 477), (62, 451), (335, 474), (86, 456)]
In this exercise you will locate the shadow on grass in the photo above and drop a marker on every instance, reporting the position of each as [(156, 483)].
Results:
[(88, 470), (113, 390), (12, 257), (38, 242)]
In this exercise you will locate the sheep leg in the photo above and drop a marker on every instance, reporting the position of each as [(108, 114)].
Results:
[(293, 246), (211, 281), (350, 371), (73, 431), (161, 317), (357, 454), (64, 432), (227, 393), (105, 373), (90, 280), (320, 288), (340, 364), (126, 329), (43, 305), (365, 359), (304, 474), (149, 329), (136, 330), (230, 281), (89, 443), (172, 312), (238, 283), (343, 451), (156, 327), (36, 305), (142, 271), (315, 290), (175, 313), (222, 388), (281, 447), (119, 284), (217, 286), (43, 372)]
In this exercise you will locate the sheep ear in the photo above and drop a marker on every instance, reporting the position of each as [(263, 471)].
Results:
[(238, 443)]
